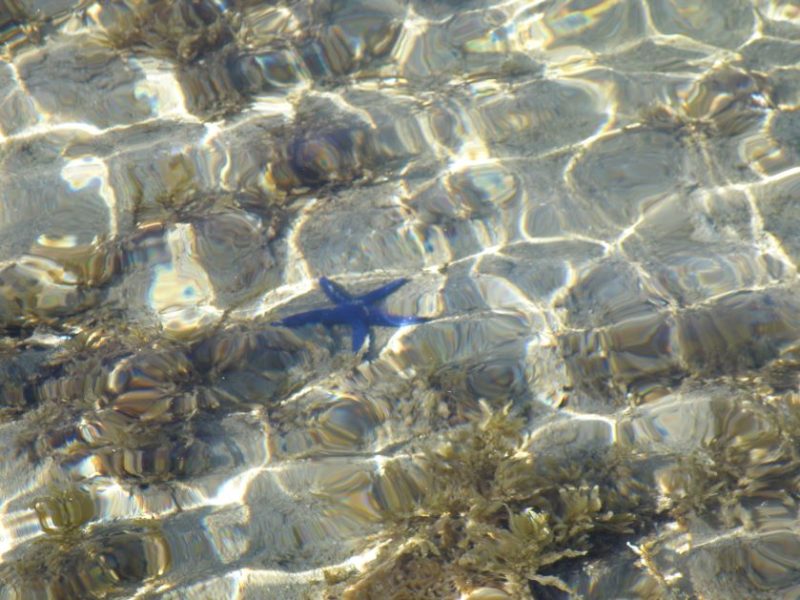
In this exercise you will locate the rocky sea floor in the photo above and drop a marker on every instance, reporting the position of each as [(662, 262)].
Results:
[(596, 204)]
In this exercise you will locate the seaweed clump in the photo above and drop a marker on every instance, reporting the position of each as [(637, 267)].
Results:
[(489, 518), (753, 457), (182, 31), (80, 558)]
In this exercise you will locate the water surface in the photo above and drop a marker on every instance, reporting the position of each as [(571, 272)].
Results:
[(595, 202)]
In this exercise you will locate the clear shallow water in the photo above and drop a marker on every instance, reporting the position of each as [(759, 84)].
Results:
[(596, 205)]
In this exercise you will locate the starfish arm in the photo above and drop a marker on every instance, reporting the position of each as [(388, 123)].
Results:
[(360, 330), (335, 293), (384, 319), (303, 318), (383, 291), (326, 316)]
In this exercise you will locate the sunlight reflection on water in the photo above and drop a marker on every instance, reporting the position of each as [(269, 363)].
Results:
[(595, 204)]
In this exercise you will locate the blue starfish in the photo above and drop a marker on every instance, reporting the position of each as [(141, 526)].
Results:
[(359, 312)]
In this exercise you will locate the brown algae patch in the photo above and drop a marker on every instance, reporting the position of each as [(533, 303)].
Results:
[(80, 560), (751, 458), (479, 513), (491, 517)]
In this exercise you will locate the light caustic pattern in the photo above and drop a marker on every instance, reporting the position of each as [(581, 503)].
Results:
[(596, 206)]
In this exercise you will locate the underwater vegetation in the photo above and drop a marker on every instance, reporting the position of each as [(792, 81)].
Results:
[(483, 513), (79, 559), (489, 515)]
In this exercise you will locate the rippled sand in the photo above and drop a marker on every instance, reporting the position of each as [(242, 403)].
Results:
[(597, 205)]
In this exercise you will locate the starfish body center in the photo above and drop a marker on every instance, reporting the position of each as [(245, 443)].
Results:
[(359, 312)]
